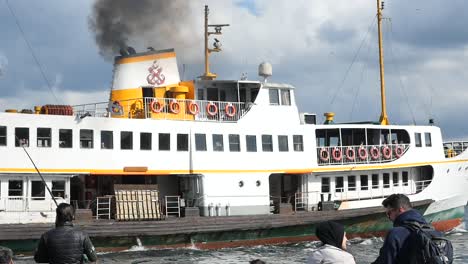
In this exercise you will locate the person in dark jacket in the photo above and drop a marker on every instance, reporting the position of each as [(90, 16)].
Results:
[(64, 243), (397, 247)]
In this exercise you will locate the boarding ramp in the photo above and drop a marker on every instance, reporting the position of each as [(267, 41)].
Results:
[(134, 202)]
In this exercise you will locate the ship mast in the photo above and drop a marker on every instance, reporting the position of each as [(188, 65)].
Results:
[(217, 45), (383, 116)]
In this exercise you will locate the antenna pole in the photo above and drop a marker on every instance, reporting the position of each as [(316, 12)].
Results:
[(207, 74), (383, 115), (217, 46)]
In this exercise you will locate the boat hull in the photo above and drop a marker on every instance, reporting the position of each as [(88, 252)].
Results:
[(217, 232)]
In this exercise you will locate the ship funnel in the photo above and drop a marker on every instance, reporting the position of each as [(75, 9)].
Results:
[(265, 70), (144, 75)]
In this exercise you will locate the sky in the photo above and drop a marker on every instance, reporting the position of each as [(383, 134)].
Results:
[(326, 49)]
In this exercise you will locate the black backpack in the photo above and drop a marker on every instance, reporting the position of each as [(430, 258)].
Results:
[(429, 246)]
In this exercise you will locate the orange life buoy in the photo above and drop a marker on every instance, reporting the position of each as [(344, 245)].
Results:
[(211, 109), (386, 152), (362, 153), (350, 154), (374, 153), (174, 107), (156, 106), (230, 110), (324, 155), (193, 108), (399, 151), (336, 154)]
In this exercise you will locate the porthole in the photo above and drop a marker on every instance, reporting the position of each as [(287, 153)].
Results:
[(258, 183), (241, 183)]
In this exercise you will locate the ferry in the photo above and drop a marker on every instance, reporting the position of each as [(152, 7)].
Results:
[(220, 162)]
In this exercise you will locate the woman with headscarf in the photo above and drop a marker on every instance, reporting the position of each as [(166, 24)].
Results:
[(333, 249)]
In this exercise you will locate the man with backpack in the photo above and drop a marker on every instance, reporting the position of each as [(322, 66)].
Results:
[(412, 239)]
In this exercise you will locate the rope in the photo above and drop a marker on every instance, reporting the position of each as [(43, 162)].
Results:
[(352, 62), (402, 87), (32, 52)]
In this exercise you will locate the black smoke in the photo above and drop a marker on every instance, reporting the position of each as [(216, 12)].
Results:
[(159, 24)]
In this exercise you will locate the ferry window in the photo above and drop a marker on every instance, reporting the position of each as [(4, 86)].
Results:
[(251, 141), (86, 138), (427, 137), (22, 137), (417, 138), (283, 143), (325, 185), (404, 178), (328, 137), (3, 136), (373, 137), (126, 140), (375, 181), (386, 180), (164, 141), (253, 94), (200, 94), (274, 97), (285, 97), (400, 136), (267, 143), (218, 144), (65, 138), (298, 143), (145, 141), (200, 142), (351, 183), (339, 184), (15, 188), (364, 183), (58, 189), (234, 143), (44, 137), (107, 140), (182, 142), (37, 190), (395, 179)]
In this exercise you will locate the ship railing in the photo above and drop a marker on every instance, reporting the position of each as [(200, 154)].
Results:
[(100, 109), (166, 108), (454, 148), (306, 201), (23, 204), (378, 191), (200, 110), (360, 154), (83, 204), (421, 185)]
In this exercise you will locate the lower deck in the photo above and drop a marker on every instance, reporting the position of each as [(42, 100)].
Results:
[(208, 232)]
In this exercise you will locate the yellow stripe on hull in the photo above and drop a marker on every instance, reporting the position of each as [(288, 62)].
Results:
[(166, 172)]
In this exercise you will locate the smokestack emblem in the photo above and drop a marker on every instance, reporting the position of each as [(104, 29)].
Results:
[(155, 75)]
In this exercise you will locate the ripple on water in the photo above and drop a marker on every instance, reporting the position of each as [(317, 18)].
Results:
[(364, 250)]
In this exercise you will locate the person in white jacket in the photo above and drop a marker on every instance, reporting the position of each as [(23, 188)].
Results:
[(333, 250)]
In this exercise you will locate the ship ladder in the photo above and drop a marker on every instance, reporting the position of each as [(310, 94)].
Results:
[(103, 207), (172, 205), (300, 202)]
